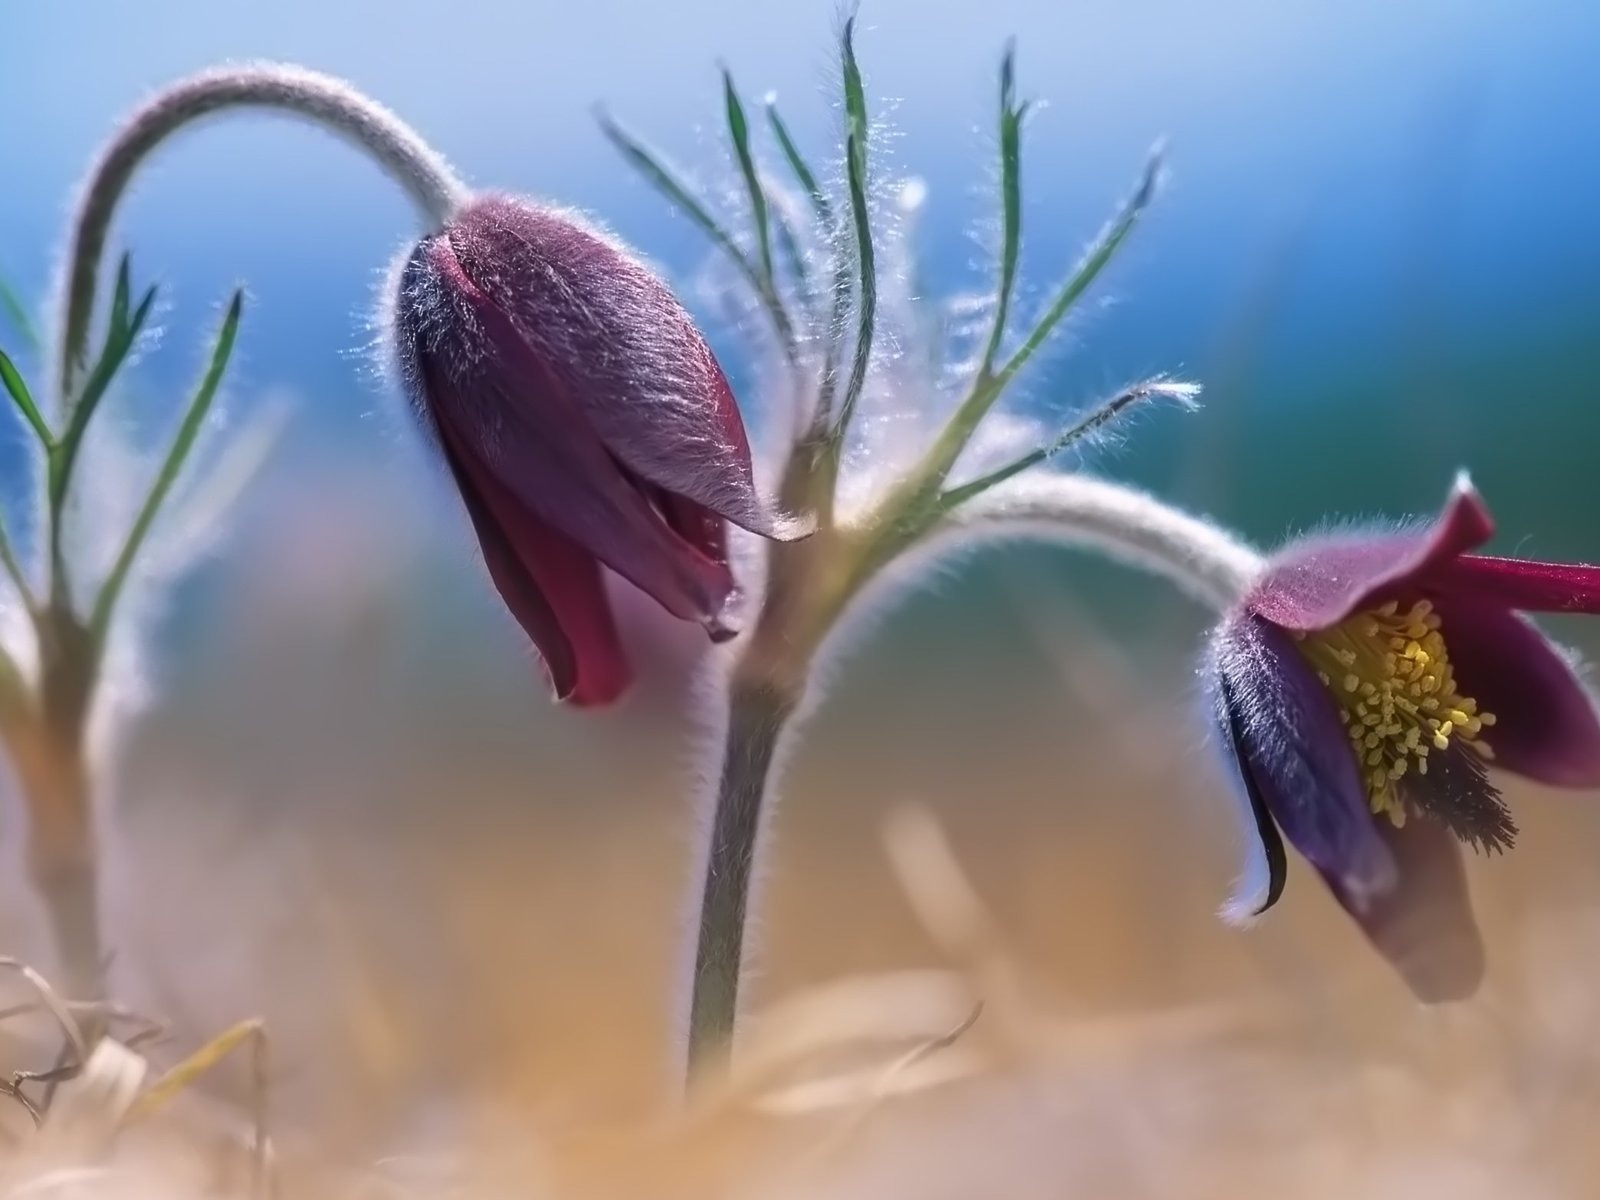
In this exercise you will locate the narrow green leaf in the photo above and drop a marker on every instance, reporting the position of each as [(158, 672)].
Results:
[(13, 568), (807, 179), (119, 298), (18, 391), (17, 313), (867, 282), (1095, 419), (794, 257), (739, 134), (1100, 252), (855, 94), (1011, 115), (183, 442)]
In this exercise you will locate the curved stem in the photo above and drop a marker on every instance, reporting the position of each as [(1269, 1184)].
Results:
[(1124, 523), (801, 609), (322, 99)]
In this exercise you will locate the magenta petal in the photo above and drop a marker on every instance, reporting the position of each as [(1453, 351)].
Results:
[(1530, 586), (1295, 755), (617, 341), (1546, 725), (552, 588), (1319, 581), (1424, 926)]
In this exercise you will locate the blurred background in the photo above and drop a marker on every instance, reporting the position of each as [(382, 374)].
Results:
[(344, 801)]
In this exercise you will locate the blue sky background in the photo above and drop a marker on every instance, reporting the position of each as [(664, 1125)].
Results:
[(1378, 250)]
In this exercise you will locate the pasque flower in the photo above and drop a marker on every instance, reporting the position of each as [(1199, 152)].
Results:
[(1365, 687), (586, 424)]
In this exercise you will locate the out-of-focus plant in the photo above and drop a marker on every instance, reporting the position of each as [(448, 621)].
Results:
[(46, 698), (1358, 684)]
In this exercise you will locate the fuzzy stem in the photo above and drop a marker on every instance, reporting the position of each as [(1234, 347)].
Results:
[(812, 586), (1123, 523), (757, 716), (319, 98)]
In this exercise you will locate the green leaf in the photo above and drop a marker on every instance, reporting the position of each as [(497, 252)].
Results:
[(1011, 115), (867, 282), (802, 171), (17, 313), (1100, 252), (188, 430), (855, 94), (119, 340), (119, 298), (794, 257), (1097, 418), (18, 391), (739, 134)]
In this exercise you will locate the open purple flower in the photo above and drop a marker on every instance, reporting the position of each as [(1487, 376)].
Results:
[(1364, 687), (586, 425)]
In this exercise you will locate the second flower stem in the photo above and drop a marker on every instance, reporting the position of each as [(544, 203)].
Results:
[(757, 716)]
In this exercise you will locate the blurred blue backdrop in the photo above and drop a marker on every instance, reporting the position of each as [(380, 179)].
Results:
[(1379, 249)]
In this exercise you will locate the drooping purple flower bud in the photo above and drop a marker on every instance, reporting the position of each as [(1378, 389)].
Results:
[(586, 424), (1363, 689)]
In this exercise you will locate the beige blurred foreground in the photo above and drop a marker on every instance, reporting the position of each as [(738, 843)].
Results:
[(989, 968)]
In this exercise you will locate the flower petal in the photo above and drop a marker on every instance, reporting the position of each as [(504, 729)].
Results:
[(1546, 725), (1521, 583), (1316, 582), (1424, 926), (1295, 753), (1266, 867), (552, 588), (505, 409), (619, 343)]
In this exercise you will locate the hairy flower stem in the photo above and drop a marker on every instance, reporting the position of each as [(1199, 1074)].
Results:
[(757, 716), (321, 99), (45, 735), (812, 586)]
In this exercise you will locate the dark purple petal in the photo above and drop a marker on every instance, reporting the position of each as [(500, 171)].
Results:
[(1424, 925), (1266, 867), (506, 413), (1294, 752), (1546, 726), (552, 588), (615, 339), (1519, 583), (1316, 582)]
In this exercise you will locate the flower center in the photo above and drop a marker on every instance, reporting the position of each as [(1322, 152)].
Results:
[(1391, 675)]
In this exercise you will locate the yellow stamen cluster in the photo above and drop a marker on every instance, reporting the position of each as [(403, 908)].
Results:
[(1397, 696)]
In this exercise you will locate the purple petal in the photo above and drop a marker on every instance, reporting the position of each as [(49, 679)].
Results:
[(506, 414), (1294, 753), (1520, 583), (1546, 726), (1424, 926), (551, 587), (617, 341), (1266, 867), (1319, 581)]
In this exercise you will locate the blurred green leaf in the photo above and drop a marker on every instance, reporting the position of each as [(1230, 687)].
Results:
[(11, 378), (1011, 114), (1100, 252), (739, 134), (123, 331), (820, 204), (855, 159), (17, 313), (188, 430)]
